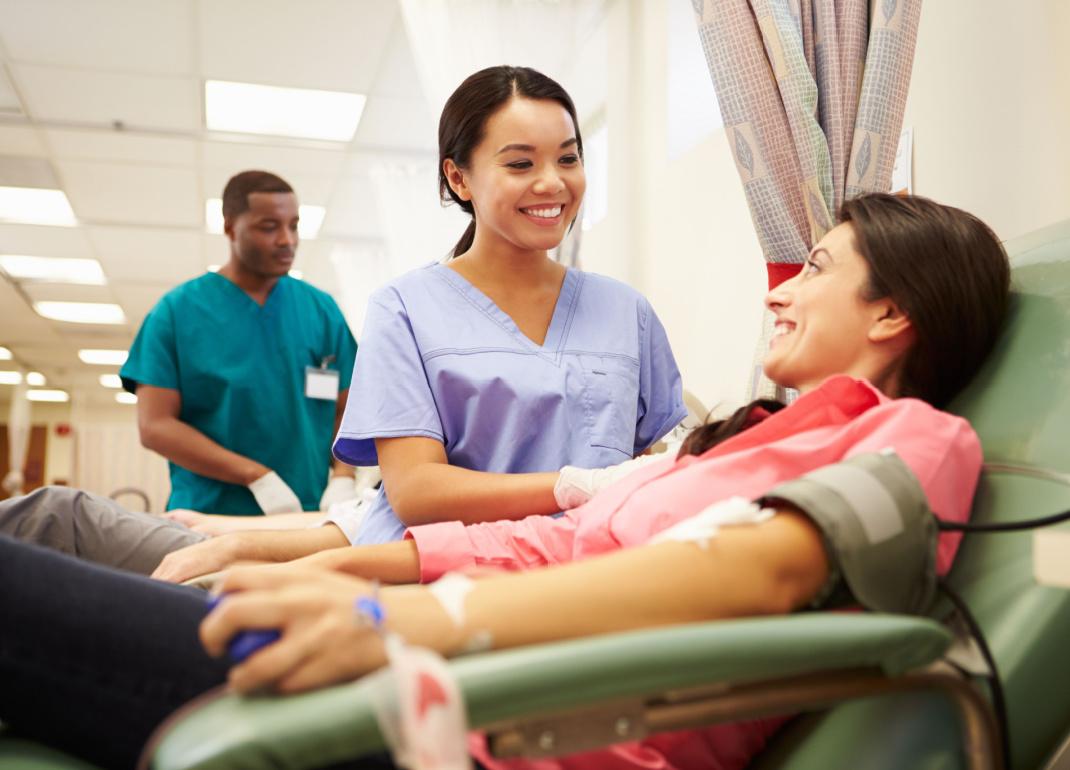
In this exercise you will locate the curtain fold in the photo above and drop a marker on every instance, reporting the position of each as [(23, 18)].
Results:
[(812, 94)]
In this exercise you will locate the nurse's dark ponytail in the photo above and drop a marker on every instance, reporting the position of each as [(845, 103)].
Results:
[(460, 129)]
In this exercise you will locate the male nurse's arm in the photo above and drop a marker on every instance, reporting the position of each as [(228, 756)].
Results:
[(163, 432)]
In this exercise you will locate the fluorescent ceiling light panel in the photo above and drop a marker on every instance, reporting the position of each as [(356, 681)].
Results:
[(269, 110), (310, 218), (58, 396), (5, 354), (126, 398), (36, 206), (10, 378), (53, 269), (104, 357), (35, 380), (81, 312), (111, 381)]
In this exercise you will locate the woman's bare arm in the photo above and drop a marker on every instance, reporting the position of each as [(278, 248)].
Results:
[(424, 488), (215, 524), (761, 569)]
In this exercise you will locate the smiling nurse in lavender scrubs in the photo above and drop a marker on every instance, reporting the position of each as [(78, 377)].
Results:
[(479, 378)]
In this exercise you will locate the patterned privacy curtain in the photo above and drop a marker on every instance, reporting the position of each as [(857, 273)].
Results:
[(812, 95)]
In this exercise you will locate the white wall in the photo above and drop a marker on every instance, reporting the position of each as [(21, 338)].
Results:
[(990, 106), (102, 452), (678, 230)]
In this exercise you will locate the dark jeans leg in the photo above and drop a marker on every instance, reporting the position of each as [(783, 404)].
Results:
[(91, 658)]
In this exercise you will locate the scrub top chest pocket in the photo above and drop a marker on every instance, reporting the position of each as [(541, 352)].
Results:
[(611, 401)]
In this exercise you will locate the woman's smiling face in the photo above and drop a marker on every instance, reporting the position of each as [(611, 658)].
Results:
[(824, 324), (525, 178)]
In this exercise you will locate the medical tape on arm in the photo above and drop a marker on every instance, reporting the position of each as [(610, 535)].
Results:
[(705, 525), (880, 534), (451, 590)]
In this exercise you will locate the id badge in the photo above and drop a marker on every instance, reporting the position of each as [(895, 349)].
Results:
[(321, 383)]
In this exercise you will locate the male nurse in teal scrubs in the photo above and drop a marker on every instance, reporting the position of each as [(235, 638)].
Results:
[(242, 375)]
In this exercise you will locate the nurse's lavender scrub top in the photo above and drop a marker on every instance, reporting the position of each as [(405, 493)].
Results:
[(439, 359), (240, 369)]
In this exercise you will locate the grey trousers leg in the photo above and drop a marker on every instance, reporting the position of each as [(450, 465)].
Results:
[(93, 528)]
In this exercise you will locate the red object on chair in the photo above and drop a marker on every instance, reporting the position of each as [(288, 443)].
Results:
[(782, 271)]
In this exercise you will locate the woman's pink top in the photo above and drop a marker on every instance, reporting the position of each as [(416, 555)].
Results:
[(842, 418)]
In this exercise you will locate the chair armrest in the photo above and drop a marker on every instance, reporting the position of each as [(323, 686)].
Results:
[(336, 723)]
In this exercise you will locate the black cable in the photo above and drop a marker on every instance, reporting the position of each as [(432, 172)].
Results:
[(999, 704), (1011, 526)]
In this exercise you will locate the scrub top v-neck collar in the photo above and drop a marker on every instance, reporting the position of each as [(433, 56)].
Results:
[(269, 301), (560, 321)]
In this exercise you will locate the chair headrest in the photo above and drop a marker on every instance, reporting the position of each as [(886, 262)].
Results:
[(1019, 403)]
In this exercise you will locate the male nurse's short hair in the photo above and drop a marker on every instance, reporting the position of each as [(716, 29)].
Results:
[(236, 193)]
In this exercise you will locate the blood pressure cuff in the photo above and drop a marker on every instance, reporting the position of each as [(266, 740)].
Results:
[(879, 532)]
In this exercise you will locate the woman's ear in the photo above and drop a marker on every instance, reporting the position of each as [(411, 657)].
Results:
[(892, 323), (455, 179)]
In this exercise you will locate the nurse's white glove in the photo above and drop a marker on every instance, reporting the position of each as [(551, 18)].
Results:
[(368, 477), (575, 486), (273, 496), (339, 490)]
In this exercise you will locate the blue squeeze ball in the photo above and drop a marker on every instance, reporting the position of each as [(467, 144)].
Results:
[(245, 643)]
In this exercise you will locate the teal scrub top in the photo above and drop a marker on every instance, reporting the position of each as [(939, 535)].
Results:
[(240, 369)]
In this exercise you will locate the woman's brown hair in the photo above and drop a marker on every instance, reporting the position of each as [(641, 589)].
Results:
[(949, 274)]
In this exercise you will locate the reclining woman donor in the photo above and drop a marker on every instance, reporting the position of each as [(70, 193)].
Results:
[(892, 315), (477, 379)]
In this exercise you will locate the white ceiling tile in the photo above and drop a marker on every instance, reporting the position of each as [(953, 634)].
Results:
[(121, 146), (20, 327), (47, 355), (10, 104), (353, 212), (397, 122), (44, 241), (138, 300), (111, 193), (360, 162), (309, 188), (21, 140), (107, 338), (148, 255), (151, 36), (67, 292), (232, 157), (328, 44), (398, 75), (137, 101)]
